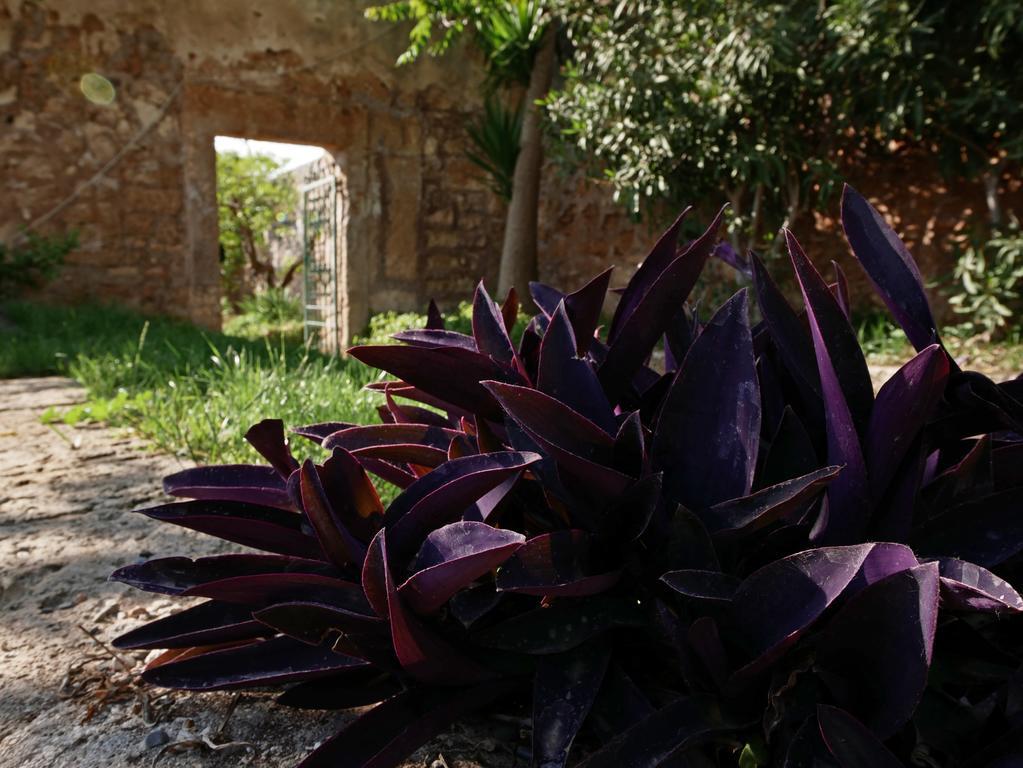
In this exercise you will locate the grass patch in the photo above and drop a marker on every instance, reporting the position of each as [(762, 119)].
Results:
[(187, 391), (884, 343)]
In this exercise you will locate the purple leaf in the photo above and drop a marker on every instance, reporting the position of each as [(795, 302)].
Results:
[(553, 422), (890, 268), (413, 414), (705, 641), (679, 337), (726, 253), (893, 516), (434, 318), (649, 304), (619, 705), (205, 624), (317, 432), (902, 408), (881, 682), (968, 587), (230, 482), (789, 335), (563, 692), (791, 453), (848, 395), (267, 437), (564, 624), (387, 734), (389, 472), (428, 337), (670, 729), (840, 290), (719, 369), (260, 590), (337, 542), (584, 307), (703, 585), (488, 329), (346, 689), (453, 557), (351, 494), (569, 379), (555, 565), (576, 443), (173, 575), (421, 444), (392, 389), (422, 653), (451, 375), (443, 495), (510, 309), (970, 474), (834, 339), (630, 445), (264, 662), (311, 622), (852, 744), (663, 253), (986, 531), (374, 581), (629, 518), (777, 603), (545, 297), (750, 513), (266, 528)]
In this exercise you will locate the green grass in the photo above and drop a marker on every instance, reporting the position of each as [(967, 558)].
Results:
[(188, 392), (885, 343)]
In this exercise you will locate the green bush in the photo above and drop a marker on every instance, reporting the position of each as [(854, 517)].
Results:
[(271, 312), (33, 262), (989, 293)]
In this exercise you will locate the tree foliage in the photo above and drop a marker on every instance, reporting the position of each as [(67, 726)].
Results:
[(507, 32), (252, 205), (763, 98)]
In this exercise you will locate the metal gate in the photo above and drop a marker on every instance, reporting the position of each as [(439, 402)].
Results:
[(320, 263)]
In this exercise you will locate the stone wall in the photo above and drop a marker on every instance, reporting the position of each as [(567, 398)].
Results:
[(420, 222)]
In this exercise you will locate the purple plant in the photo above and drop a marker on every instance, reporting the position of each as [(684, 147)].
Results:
[(746, 558)]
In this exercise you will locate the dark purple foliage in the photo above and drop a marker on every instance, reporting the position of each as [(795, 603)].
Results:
[(744, 557)]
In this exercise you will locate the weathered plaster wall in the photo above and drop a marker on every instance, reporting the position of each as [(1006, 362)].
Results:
[(420, 222), (306, 71)]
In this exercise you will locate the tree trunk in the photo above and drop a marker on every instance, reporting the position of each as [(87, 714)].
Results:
[(991, 177), (518, 254)]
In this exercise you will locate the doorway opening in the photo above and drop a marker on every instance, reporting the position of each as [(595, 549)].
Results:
[(280, 214)]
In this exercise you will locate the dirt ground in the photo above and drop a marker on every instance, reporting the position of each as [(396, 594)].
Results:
[(66, 698)]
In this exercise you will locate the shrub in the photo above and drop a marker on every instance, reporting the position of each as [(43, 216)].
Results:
[(33, 262), (746, 558), (990, 276), (266, 313)]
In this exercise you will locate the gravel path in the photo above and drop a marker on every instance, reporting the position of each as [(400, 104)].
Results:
[(65, 698)]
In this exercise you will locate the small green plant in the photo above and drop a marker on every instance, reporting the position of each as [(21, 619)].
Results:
[(879, 337), (990, 283), (34, 261), (269, 313)]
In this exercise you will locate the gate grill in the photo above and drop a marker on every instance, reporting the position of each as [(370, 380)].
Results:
[(320, 263)]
